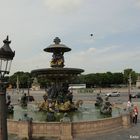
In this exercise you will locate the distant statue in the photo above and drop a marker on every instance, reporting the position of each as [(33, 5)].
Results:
[(8, 100), (50, 116), (45, 96), (25, 117), (99, 100), (106, 98), (106, 107), (35, 84), (51, 112), (24, 100), (10, 108), (65, 118), (79, 103)]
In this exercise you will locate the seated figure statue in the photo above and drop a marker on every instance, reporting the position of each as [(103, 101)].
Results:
[(45, 97), (99, 100), (50, 116), (65, 118), (51, 112), (10, 108), (26, 117), (106, 107), (23, 100), (57, 59), (44, 106)]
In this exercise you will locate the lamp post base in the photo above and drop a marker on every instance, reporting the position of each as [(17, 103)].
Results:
[(3, 117)]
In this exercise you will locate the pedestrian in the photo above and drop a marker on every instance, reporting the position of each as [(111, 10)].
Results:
[(135, 114), (130, 97), (128, 105)]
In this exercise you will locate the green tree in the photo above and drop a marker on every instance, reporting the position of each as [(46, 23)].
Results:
[(133, 74), (23, 77), (126, 74), (117, 78)]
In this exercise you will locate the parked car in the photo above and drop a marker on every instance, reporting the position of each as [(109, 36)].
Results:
[(113, 94), (136, 95)]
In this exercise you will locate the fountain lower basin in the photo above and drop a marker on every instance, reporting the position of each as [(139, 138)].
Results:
[(86, 121), (88, 112)]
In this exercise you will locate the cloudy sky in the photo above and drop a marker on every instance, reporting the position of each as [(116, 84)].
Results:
[(33, 24)]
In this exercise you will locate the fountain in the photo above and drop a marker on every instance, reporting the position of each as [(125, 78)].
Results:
[(58, 98), (58, 94)]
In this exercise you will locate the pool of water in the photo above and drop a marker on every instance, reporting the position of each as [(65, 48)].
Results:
[(88, 112)]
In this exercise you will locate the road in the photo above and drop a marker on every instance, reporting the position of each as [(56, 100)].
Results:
[(76, 96)]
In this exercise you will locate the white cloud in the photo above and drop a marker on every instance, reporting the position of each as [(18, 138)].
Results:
[(63, 6), (102, 60), (136, 3), (89, 51)]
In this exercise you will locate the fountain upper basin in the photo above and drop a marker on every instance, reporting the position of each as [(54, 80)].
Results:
[(61, 73)]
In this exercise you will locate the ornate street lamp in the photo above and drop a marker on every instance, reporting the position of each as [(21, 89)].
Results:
[(6, 57)]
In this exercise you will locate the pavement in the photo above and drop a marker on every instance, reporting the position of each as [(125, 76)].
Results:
[(132, 133)]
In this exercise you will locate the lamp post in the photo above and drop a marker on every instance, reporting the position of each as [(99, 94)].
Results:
[(17, 84), (6, 57), (129, 86), (28, 82)]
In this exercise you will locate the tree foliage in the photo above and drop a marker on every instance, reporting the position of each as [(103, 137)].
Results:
[(92, 80), (24, 79)]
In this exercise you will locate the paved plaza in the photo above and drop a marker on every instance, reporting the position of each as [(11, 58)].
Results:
[(132, 133)]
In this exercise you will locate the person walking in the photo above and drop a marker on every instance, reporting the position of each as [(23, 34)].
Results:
[(135, 114), (129, 105), (130, 97)]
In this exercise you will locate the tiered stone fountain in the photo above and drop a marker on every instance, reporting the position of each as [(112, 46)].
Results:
[(58, 92)]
